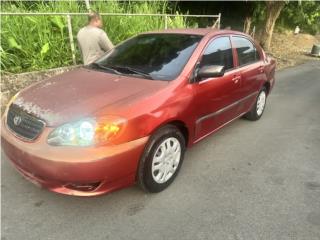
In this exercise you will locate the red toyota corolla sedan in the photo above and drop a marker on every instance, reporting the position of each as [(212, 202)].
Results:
[(129, 116)]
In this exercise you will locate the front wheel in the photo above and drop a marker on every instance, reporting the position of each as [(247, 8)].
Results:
[(162, 159), (258, 108)]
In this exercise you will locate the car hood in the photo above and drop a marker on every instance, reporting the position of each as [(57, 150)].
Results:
[(80, 93)]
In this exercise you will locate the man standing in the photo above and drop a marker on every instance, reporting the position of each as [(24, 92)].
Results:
[(93, 41)]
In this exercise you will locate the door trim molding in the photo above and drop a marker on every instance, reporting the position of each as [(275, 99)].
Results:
[(218, 128), (210, 115)]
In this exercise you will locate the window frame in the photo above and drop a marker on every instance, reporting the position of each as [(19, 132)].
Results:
[(192, 78), (236, 53), (209, 43)]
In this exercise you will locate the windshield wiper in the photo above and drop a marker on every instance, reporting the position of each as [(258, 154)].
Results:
[(133, 70), (105, 67)]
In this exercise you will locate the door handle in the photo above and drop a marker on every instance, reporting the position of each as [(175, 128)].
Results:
[(261, 69), (236, 79)]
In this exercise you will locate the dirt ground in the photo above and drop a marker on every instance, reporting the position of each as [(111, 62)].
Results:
[(290, 50)]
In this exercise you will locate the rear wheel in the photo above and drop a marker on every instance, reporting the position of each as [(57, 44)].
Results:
[(162, 159), (258, 108)]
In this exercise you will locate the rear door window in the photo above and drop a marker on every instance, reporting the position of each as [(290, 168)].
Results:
[(247, 53)]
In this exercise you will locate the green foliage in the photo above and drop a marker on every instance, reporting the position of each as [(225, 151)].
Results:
[(40, 42), (34, 42), (259, 13), (305, 14)]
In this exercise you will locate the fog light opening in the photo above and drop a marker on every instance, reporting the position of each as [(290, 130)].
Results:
[(85, 187)]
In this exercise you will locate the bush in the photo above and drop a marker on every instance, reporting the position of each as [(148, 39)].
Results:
[(305, 14), (41, 42)]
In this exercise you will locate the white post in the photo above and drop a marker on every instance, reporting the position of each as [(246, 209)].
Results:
[(71, 40), (88, 5), (219, 22), (253, 31), (166, 21)]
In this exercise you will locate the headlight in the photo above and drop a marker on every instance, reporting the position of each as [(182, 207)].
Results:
[(87, 132)]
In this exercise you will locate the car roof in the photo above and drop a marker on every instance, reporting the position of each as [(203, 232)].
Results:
[(196, 31)]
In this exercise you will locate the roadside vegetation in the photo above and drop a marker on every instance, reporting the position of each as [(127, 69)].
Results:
[(31, 43), (42, 42), (281, 16)]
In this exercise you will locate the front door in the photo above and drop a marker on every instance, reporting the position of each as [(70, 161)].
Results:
[(216, 98)]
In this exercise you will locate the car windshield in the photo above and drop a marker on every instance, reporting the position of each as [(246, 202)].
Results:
[(151, 56)]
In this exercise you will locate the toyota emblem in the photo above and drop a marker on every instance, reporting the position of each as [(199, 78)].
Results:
[(17, 120)]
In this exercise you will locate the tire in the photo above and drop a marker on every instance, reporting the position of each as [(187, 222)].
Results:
[(258, 108), (156, 160)]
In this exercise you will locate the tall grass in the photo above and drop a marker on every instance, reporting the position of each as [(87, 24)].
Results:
[(41, 42)]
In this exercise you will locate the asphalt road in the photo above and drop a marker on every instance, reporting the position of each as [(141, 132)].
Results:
[(251, 180)]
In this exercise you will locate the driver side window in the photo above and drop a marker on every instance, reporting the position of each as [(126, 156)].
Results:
[(218, 52)]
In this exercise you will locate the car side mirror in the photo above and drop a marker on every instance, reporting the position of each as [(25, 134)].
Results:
[(210, 71)]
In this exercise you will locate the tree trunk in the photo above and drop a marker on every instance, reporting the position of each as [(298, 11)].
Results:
[(273, 11), (247, 24)]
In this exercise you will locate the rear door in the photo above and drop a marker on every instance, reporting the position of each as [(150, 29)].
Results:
[(215, 98), (251, 67)]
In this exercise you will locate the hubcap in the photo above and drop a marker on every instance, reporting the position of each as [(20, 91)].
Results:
[(166, 160), (261, 102)]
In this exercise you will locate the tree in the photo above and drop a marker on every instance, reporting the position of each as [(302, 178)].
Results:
[(305, 14), (250, 7), (273, 9)]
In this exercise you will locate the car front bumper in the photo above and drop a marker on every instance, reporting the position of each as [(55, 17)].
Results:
[(81, 171)]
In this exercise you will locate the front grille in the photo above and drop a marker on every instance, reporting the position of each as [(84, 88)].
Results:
[(23, 124)]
